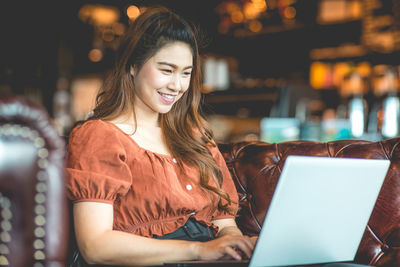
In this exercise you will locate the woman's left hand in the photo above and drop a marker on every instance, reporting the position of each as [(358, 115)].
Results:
[(228, 227), (224, 247)]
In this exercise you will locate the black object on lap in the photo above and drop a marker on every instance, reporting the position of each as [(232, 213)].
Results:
[(191, 231)]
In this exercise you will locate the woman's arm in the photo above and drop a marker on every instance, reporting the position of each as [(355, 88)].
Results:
[(227, 226), (100, 244)]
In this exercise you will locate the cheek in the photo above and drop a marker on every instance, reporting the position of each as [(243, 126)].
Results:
[(152, 78), (185, 84), (155, 77)]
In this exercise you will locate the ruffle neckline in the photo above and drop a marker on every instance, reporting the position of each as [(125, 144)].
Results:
[(159, 155)]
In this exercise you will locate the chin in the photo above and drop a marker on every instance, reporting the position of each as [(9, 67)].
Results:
[(164, 110)]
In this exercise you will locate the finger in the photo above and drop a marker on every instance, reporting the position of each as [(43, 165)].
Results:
[(242, 243), (234, 254), (249, 242), (225, 257), (243, 246), (249, 245)]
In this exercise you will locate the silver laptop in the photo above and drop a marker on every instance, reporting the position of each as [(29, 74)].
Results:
[(319, 210), (318, 213)]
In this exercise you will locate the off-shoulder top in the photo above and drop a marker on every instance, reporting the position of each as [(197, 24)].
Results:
[(150, 193)]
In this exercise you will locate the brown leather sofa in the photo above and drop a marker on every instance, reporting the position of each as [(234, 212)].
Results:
[(34, 215), (34, 208), (256, 167)]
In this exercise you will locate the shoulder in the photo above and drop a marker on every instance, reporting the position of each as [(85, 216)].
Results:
[(93, 130), (93, 126)]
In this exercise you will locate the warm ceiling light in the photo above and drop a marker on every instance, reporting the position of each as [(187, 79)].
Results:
[(99, 14), (237, 16), (105, 15), (95, 55), (250, 11), (133, 12), (260, 5), (255, 26), (289, 12)]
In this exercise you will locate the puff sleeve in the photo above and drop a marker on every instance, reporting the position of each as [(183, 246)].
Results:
[(96, 164), (227, 185)]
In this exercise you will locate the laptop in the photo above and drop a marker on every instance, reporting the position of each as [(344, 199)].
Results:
[(318, 213)]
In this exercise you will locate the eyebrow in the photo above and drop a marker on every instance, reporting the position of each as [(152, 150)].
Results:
[(173, 65)]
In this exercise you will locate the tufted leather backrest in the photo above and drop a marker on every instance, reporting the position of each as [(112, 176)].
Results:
[(34, 222), (256, 167)]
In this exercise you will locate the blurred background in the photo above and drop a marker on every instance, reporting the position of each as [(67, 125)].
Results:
[(274, 70)]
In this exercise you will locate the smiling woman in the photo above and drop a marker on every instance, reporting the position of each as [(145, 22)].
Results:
[(147, 182), (163, 79)]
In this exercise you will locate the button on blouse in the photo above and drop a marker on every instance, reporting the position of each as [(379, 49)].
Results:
[(150, 193)]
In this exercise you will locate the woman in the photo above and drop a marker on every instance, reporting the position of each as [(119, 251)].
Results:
[(147, 181)]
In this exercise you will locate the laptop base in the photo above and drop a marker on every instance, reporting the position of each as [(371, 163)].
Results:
[(228, 263)]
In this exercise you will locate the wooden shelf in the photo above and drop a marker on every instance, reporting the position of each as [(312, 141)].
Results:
[(257, 101)]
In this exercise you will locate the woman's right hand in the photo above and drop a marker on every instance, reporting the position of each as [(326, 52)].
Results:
[(227, 246)]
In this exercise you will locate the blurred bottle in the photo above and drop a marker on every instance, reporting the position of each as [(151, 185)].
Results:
[(216, 74), (354, 107), (385, 113), (357, 115), (209, 77), (391, 113)]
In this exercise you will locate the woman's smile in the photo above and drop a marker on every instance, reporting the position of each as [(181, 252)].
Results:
[(167, 98)]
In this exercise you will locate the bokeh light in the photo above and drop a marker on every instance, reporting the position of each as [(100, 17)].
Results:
[(95, 55), (255, 26), (289, 12), (133, 12), (237, 16)]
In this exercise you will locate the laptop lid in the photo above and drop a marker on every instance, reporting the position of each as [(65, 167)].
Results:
[(319, 210)]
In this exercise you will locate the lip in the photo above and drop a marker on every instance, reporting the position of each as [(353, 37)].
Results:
[(167, 100), (167, 94)]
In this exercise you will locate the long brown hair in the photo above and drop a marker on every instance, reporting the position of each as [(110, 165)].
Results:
[(183, 124)]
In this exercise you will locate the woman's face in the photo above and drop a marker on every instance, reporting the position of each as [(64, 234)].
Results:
[(163, 78)]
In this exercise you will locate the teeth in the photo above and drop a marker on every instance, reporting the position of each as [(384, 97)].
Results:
[(167, 96)]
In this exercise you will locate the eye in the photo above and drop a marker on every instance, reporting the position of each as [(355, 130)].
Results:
[(187, 73), (166, 71)]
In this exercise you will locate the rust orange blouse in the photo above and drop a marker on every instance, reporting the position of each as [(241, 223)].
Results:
[(149, 192)]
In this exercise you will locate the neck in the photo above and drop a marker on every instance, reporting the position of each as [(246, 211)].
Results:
[(146, 119), (144, 114), (142, 120)]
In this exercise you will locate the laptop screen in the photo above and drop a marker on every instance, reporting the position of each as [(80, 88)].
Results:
[(319, 210)]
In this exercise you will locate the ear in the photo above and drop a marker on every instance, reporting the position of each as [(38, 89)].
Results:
[(132, 71)]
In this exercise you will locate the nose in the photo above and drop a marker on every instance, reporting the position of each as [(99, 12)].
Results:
[(175, 83)]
